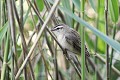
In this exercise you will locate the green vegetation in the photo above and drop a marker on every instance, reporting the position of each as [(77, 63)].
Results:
[(29, 51)]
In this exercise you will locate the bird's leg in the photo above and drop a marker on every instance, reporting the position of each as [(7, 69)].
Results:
[(65, 51), (66, 54)]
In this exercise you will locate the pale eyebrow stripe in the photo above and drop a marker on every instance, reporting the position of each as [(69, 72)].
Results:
[(59, 27)]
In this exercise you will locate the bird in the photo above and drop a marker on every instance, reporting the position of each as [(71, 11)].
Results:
[(69, 39)]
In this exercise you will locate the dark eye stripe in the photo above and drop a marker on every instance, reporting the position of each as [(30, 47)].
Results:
[(57, 28)]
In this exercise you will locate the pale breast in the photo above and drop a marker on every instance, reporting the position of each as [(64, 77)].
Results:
[(64, 43)]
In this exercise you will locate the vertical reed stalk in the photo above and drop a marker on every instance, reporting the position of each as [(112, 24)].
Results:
[(107, 47), (96, 42), (111, 57), (4, 67), (1, 2), (83, 41)]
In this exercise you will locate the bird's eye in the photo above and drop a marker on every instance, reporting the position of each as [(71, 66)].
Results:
[(58, 28)]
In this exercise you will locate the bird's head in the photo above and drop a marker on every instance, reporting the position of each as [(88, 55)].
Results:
[(60, 29)]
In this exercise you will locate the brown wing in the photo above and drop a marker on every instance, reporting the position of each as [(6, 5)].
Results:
[(75, 40)]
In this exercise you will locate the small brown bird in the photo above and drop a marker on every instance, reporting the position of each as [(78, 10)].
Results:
[(69, 39)]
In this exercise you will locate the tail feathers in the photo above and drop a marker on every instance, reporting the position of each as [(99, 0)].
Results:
[(87, 55), (86, 64), (86, 52)]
